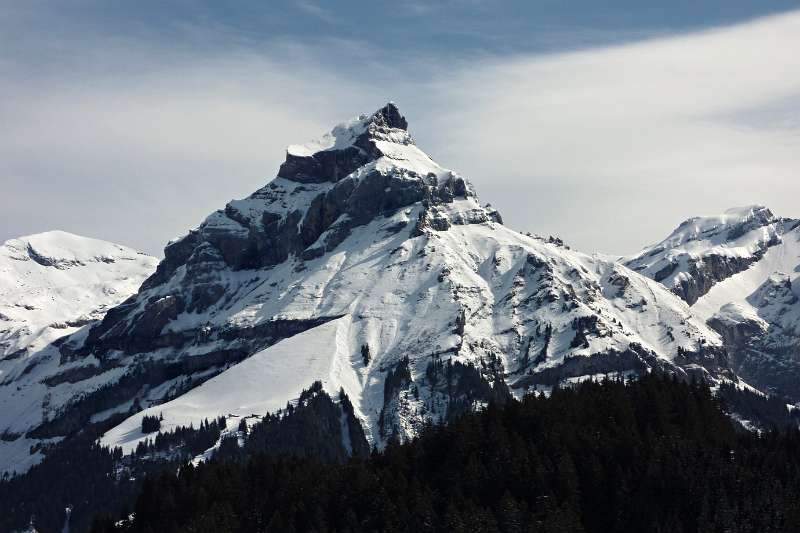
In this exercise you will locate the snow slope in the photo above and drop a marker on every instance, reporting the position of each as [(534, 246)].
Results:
[(53, 283), (261, 384), (783, 258)]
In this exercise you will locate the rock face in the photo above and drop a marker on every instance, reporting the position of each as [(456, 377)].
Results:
[(363, 245), (741, 270)]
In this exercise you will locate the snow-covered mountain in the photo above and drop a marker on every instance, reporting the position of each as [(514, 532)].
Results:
[(365, 265), (740, 272), (52, 285), (705, 250)]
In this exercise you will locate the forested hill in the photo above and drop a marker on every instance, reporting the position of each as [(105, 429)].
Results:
[(651, 455)]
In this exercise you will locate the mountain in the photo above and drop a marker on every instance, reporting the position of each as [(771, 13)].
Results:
[(703, 251), (740, 272), (52, 285), (56, 282), (367, 266)]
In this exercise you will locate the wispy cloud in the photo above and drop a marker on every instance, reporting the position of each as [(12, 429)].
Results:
[(315, 10), (607, 147)]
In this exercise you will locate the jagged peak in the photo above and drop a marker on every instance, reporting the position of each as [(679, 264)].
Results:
[(390, 117), (364, 168), (348, 146), (347, 133)]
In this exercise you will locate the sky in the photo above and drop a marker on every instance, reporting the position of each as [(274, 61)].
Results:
[(606, 125)]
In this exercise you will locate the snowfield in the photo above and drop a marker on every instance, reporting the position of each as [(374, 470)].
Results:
[(53, 283)]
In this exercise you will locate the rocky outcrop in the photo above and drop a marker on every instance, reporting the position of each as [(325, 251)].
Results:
[(702, 273), (336, 163)]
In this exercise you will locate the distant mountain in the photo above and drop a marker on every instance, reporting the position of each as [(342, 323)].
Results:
[(740, 272), (705, 250), (52, 285)]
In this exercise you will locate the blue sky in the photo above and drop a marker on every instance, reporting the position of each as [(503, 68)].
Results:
[(605, 123), (456, 30)]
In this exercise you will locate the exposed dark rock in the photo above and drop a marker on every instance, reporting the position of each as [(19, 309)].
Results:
[(74, 375), (665, 272), (541, 357), (635, 360), (365, 355), (397, 380), (461, 322), (703, 275), (50, 262), (15, 355), (333, 165)]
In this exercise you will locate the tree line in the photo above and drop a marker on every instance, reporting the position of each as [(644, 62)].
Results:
[(653, 455)]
